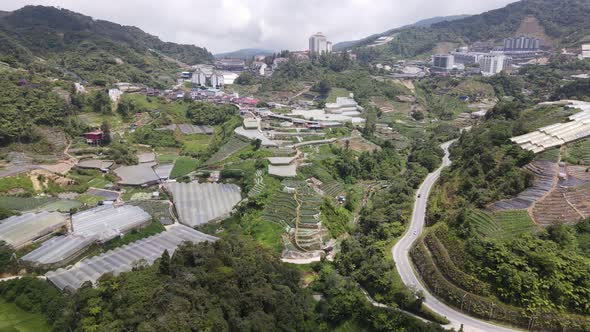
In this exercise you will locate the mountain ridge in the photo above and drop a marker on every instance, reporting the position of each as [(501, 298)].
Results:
[(422, 23), (565, 24), (244, 53)]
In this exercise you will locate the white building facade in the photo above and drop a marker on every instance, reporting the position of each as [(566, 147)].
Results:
[(443, 62), (319, 44), (494, 64)]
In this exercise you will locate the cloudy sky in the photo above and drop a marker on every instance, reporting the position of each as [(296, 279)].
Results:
[(227, 25)]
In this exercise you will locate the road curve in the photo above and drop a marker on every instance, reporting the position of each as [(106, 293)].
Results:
[(401, 257)]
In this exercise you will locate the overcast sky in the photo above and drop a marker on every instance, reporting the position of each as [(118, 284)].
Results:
[(227, 25)]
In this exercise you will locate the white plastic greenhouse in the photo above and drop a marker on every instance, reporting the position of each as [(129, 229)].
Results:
[(123, 259), (200, 203), (58, 250), (107, 222), (18, 231)]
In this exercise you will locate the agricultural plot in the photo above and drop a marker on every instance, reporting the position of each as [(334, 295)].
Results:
[(258, 184), (281, 209), (578, 152), (234, 145), (24, 203), (64, 205), (545, 172), (332, 188), (183, 166), (502, 225), (565, 204), (159, 210), (125, 258), (200, 203)]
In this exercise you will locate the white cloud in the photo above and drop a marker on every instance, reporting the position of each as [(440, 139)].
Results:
[(274, 24)]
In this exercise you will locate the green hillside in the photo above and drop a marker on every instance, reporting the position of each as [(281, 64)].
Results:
[(75, 46), (560, 22)]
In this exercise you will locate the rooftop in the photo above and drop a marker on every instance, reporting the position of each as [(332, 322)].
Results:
[(104, 223), (200, 203), (137, 175), (124, 258), (18, 231)]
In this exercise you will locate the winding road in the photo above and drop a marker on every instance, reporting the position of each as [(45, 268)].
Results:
[(401, 257)]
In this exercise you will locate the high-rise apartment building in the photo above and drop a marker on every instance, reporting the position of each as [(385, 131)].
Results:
[(443, 62), (494, 64), (522, 44), (319, 44)]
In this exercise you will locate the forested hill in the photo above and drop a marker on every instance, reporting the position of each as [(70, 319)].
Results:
[(95, 50), (558, 23), (422, 23)]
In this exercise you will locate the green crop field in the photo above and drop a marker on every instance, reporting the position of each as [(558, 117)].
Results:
[(14, 319), (504, 225), (548, 155), (578, 152), (195, 144), (183, 166), (61, 205), (234, 145), (23, 203), (16, 182)]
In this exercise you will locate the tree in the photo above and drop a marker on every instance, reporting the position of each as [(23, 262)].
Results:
[(101, 103), (323, 87), (126, 108), (418, 115), (257, 143), (106, 132), (246, 78), (165, 263)]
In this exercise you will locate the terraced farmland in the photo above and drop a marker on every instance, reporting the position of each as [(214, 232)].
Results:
[(281, 209), (332, 188), (545, 174), (258, 184), (502, 225), (234, 145), (564, 205), (578, 152)]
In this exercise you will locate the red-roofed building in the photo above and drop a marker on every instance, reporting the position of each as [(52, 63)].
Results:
[(94, 137)]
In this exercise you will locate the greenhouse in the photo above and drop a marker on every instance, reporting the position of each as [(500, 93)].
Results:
[(163, 171), (19, 231), (138, 175), (200, 203), (107, 222), (58, 250), (124, 258)]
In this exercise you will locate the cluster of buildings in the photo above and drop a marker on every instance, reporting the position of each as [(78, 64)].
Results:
[(489, 63), (212, 76), (490, 60)]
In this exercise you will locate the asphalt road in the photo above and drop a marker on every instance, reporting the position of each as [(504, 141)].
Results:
[(404, 267)]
